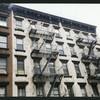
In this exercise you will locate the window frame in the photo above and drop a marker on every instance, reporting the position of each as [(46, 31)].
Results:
[(40, 91), (58, 91), (17, 23), (51, 65), (79, 72), (65, 67), (5, 66), (6, 43), (18, 70), (22, 87), (48, 50), (5, 91), (6, 24), (96, 93), (61, 49), (83, 87), (22, 45), (70, 87)]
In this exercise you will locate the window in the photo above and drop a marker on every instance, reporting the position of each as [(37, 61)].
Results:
[(78, 73), (67, 33), (51, 67), (55, 92), (71, 49), (19, 44), (21, 91), (48, 47), (56, 31), (83, 91), (40, 89), (2, 91), (65, 69), (18, 23), (45, 28), (35, 44), (61, 51), (3, 21), (3, 42), (3, 64), (95, 90), (37, 66), (33, 26), (70, 90), (20, 66)]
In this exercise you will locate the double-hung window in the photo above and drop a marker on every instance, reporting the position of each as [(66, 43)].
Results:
[(37, 66), (83, 91), (3, 41), (55, 92), (3, 64), (19, 44), (48, 48), (61, 51), (2, 91), (65, 68), (18, 23), (95, 90), (70, 90), (21, 91), (78, 73), (56, 31), (20, 66), (45, 28), (3, 21), (51, 67), (40, 89)]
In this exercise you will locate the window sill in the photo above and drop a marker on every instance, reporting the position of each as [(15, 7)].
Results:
[(20, 50), (19, 29), (4, 48), (80, 77), (3, 74), (4, 27), (58, 37), (24, 75)]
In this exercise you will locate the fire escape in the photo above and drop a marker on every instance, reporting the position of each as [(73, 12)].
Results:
[(41, 73), (90, 56)]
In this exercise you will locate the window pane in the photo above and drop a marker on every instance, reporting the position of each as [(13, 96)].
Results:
[(96, 93), (19, 41), (55, 92), (3, 42), (83, 91), (2, 91), (67, 33), (77, 70), (3, 21), (2, 65), (20, 44), (56, 30), (40, 90), (21, 91), (20, 66), (18, 23), (33, 26), (70, 90)]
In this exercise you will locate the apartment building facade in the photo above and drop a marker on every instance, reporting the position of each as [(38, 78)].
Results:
[(49, 56)]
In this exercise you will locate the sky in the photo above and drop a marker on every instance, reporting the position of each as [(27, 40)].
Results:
[(86, 13)]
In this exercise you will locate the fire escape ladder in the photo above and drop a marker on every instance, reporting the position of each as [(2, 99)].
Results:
[(46, 63), (49, 93)]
